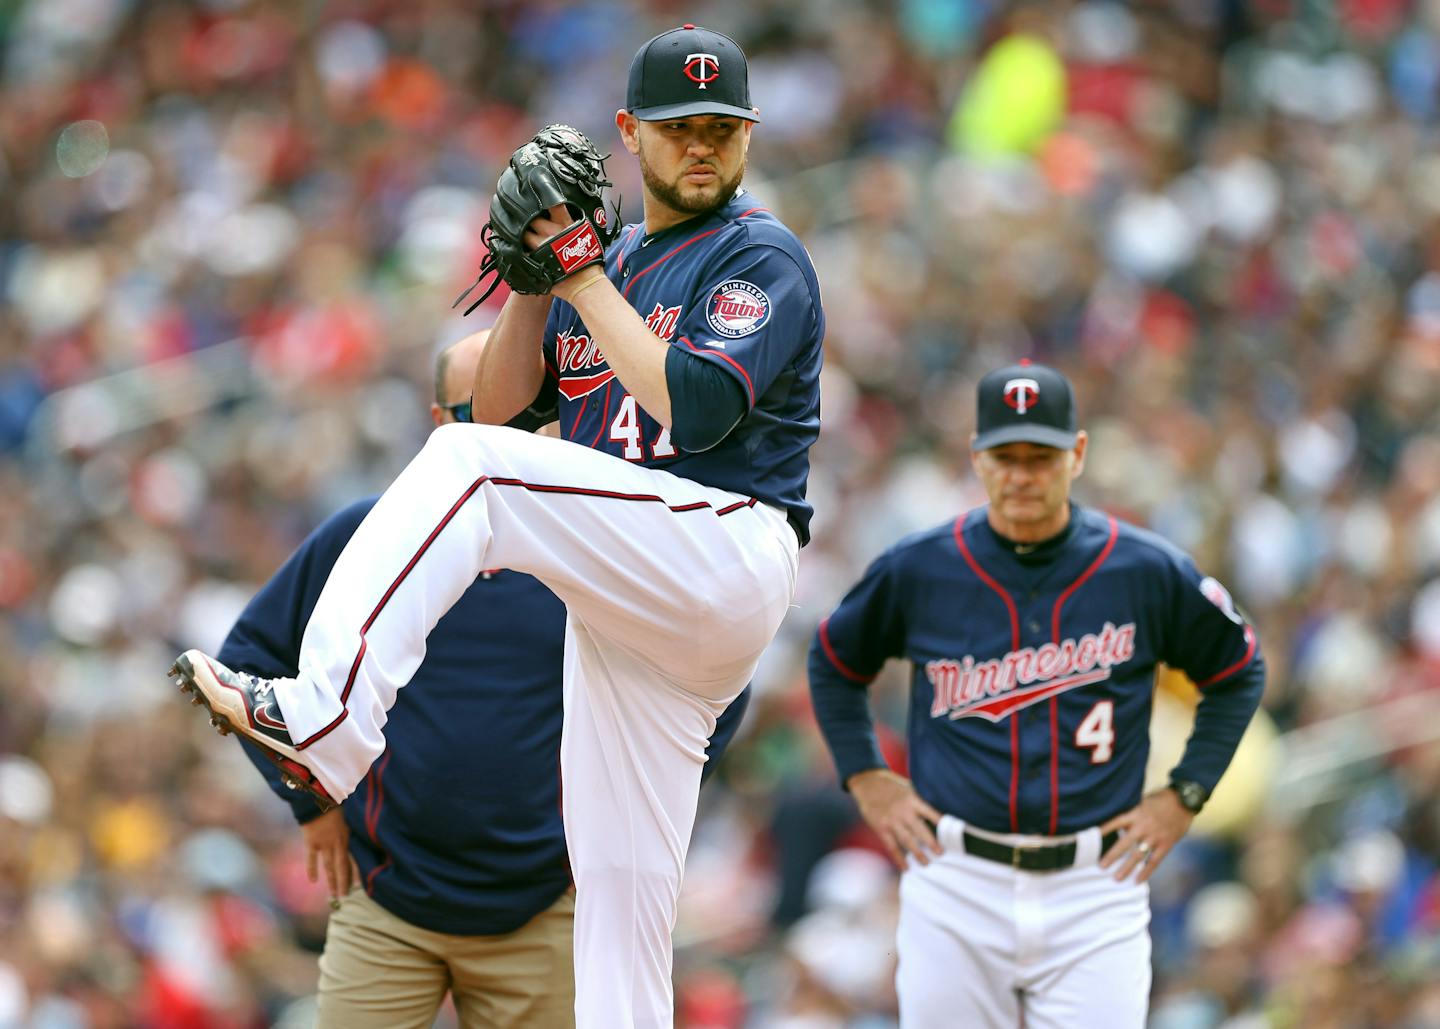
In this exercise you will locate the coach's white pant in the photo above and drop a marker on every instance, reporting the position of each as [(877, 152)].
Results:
[(985, 945), (673, 590)]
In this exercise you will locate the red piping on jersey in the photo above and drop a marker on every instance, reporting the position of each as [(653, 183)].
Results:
[(370, 879), (1015, 772), (693, 239), (989, 580), (650, 268), (373, 803), (369, 799), (469, 492), (580, 413), (1055, 632), (550, 369), (605, 408), (840, 666), (376, 800), (1250, 647), (726, 357), (1054, 764), (1094, 567)]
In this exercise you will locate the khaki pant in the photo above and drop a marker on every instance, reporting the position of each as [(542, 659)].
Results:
[(380, 972)]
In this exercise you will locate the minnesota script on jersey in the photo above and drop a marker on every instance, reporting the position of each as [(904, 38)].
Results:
[(1034, 674), (736, 287)]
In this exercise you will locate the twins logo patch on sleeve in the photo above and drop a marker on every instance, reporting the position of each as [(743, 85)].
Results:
[(737, 308), (1220, 597)]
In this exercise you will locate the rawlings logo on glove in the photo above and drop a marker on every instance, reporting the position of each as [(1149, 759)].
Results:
[(560, 167), (575, 252)]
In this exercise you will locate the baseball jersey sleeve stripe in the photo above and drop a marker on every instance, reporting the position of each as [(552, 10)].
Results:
[(1250, 647), (840, 666), (749, 386)]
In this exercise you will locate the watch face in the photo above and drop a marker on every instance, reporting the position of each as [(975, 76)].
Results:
[(1191, 794)]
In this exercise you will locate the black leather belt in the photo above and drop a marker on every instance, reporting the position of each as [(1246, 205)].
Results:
[(1030, 859)]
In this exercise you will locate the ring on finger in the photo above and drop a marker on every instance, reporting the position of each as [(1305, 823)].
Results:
[(1143, 848)]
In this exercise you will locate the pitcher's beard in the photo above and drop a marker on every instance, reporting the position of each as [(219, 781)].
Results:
[(698, 200)]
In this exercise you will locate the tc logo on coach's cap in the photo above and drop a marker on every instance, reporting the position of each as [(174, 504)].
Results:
[(1025, 403), (1021, 393)]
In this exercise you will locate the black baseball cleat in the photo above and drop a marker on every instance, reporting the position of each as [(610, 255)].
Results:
[(244, 703)]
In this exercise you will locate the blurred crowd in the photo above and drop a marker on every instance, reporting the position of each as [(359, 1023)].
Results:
[(230, 232)]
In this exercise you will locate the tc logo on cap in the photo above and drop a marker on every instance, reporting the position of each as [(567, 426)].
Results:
[(702, 68), (1021, 394)]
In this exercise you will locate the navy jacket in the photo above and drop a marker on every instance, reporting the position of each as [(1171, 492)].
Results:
[(456, 827), (1034, 669)]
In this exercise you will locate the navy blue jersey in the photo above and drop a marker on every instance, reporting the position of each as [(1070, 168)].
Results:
[(456, 827), (737, 288), (1034, 672)]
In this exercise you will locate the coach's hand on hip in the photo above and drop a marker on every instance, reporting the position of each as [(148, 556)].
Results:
[(327, 845), (901, 818), (1148, 831)]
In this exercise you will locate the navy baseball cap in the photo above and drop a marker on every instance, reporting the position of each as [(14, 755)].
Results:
[(1025, 403), (689, 71)]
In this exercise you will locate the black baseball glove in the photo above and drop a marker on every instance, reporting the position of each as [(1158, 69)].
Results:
[(560, 166)]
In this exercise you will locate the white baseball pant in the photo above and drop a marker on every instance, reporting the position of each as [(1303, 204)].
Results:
[(986, 945), (673, 590)]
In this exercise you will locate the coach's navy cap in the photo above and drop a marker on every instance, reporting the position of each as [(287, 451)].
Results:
[(689, 71), (1025, 403)]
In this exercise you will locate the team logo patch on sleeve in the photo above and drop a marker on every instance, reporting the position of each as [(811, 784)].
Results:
[(737, 308), (1220, 597)]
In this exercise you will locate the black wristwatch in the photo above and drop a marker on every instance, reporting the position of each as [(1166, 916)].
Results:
[(1192, 795)]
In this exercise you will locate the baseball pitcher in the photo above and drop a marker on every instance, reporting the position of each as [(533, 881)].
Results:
[(681, 357)]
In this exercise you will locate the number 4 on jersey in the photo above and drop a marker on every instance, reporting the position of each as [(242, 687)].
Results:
[(1097, 730), (626, 429)]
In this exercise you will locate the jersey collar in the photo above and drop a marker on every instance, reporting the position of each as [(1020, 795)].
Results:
[(690, 225), (1037, 553)]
